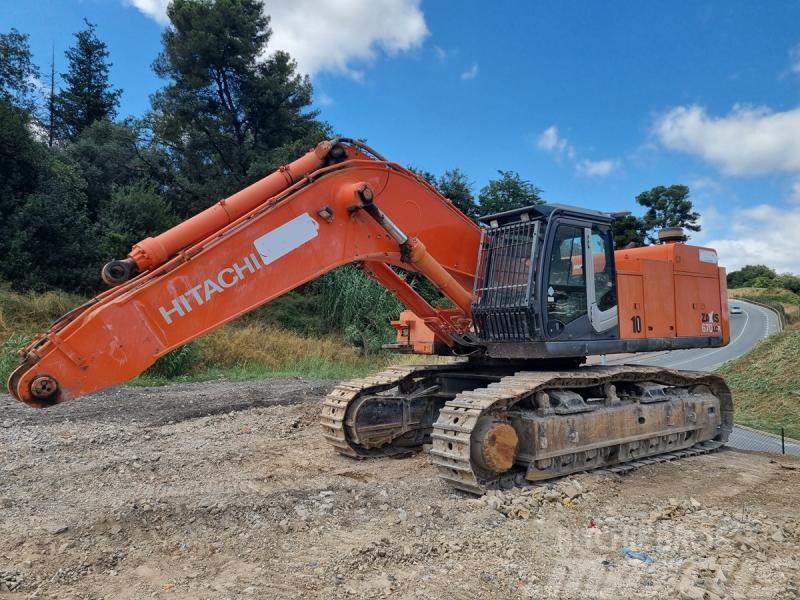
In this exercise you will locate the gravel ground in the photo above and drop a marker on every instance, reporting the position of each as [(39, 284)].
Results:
[(227, 490)]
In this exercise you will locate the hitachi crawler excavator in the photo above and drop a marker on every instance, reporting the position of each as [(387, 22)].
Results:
[(534, 291)]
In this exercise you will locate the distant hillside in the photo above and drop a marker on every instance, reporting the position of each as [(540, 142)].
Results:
[(766, 384), (788, 299)]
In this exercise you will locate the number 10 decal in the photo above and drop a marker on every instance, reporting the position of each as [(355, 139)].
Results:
[(637, 324)]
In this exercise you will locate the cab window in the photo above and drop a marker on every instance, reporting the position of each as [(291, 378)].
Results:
[(566, 285), (604, 276)]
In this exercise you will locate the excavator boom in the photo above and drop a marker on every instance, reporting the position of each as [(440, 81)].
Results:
[(339, 204)]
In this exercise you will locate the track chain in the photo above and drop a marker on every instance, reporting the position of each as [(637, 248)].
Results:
[(335, 405), (453, 430)]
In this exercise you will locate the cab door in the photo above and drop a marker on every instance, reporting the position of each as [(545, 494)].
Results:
[(579, 299)]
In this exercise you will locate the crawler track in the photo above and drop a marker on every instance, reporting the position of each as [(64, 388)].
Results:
[(334, 408), (453, 430)]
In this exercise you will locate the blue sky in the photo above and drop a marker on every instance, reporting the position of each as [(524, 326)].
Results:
[(592, 104)]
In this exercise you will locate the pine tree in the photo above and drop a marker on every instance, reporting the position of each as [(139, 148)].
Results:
[(231, 111), (455, 185), (667, 207), (17, 71), (88, 95), (51, 101)]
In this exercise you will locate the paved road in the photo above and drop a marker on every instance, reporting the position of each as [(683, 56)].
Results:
[(747, 329)]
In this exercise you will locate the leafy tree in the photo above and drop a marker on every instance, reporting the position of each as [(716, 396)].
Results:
[(52, 243), (108, 156), (628, 230), (507, 192), (762, 282), (135, 211), (88, 95), (789, 282), (667, 207), (17, 72), (228, 115), (21, 159), (455, 186), (426, 175), (746, 276)]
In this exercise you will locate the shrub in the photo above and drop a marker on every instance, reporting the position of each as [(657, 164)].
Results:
[(180, 362)]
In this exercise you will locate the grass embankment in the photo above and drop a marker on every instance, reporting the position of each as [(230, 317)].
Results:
[(252, 348), (766, 384), (24, 315), (786, 298)]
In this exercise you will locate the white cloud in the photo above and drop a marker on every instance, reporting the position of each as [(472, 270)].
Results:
[(333, 35), (747, 141), (329, 35), (470, 73), (794, 59), (550, 140), (794, 196), (155, 9), (704, 184), (765, 235), (441, 53), (324, 99), (596, 168)]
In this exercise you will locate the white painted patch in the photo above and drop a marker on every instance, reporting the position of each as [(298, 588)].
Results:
[(709, 256), (289, 236)]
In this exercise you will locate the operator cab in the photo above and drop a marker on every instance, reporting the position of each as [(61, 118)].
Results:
[(546, 274)]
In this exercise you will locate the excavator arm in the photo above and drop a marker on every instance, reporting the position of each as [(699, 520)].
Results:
[(340, 203)]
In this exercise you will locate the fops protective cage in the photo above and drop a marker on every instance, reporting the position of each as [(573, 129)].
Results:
[(503, 297)]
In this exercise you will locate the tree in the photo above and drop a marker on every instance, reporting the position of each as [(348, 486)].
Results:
[(108, 157), (789, 282), (21, 163), (508, 192), (628, 230), (762, 282), (455, 186), (228, 115), (747, 275), (20, 157), (18, 74), (52, 241), (426, 175), (667, 207), (88, 95), (135, 212)]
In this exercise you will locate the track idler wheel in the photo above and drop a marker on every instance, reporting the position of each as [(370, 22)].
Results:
[(494, 445)]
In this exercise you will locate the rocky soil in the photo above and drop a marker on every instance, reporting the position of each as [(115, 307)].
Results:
[(227, 490)]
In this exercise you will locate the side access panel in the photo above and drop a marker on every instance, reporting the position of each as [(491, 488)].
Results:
[(631, 306), (697, 299), (659, 299)]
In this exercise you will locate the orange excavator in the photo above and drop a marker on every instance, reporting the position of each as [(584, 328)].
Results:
[(534, 291)]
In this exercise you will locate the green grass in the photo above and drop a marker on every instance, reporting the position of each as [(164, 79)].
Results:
[(308, 370), (766, 384)]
